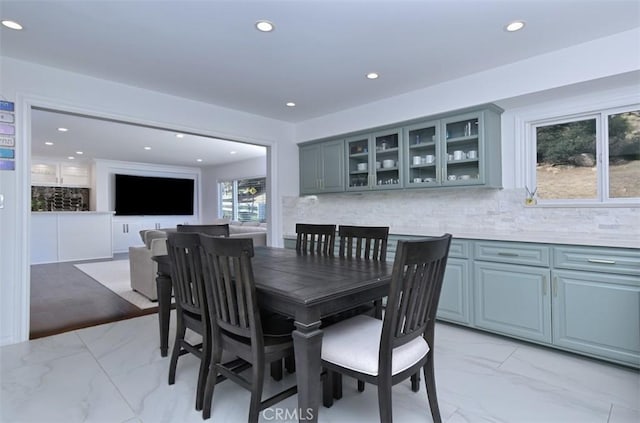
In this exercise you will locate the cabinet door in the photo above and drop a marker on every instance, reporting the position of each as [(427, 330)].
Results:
[(74, 175), (332, 166), (386, 160), (126, 234), (462, 155), (454, 297), (358, 163), (598, 314), (422, 155), (310, 158), (44, 173), (513, 300)]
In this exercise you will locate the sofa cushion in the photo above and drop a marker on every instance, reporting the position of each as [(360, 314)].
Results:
[(150, 235)]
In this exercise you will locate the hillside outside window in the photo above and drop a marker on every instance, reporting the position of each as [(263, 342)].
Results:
[(591, 158)]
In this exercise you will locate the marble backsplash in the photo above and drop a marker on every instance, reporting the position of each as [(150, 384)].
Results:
[(468, 213), (59, 199)]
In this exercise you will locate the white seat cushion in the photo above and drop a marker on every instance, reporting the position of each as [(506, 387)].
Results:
[(354, 344)]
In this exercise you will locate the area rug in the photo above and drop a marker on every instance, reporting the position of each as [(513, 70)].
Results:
[(114, 274)]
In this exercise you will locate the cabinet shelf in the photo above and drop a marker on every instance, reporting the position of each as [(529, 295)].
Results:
[(363, 154), (461, 140), (380, 151), (463, 161), (422, 145), (386, 169), (423, 166)]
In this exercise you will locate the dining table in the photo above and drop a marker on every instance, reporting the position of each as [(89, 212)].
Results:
[(307, 288)]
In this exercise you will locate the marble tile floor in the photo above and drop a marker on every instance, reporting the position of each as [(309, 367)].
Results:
[(113, 373)]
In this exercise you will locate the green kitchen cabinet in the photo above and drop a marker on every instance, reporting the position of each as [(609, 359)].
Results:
[(455, 296), (374, 161), (513, 300), (596, 310), (322, 167)]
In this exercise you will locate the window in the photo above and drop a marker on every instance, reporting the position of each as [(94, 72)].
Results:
[(244, 200), (588, 158)]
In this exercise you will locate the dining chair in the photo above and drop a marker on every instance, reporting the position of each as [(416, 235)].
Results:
[(191, 305), (215, 230), (315, 239), (236, 323), (366, 243), (387, 352)]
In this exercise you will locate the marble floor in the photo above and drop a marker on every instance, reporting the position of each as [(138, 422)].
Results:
[(114, 373)]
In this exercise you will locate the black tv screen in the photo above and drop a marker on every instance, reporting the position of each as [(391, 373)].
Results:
[(153, 196)]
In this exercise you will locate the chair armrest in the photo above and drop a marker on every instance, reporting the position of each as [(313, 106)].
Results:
[(158, 247)]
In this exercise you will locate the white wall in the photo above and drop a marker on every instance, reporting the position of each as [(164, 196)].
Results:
[(29, 85), (251, 168)]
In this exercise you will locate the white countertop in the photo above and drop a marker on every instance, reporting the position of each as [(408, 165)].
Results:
[(72, 212), (632, 241)]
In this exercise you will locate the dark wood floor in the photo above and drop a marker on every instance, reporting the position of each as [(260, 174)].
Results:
[(63, 298)]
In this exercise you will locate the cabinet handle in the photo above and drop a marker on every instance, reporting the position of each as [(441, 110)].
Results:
[(555, 286), (508, 254), (601, 261)]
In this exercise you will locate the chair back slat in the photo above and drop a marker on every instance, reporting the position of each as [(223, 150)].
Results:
[(315, 239), (230, 286), (370, 242), (418, 274), (214, 230), (183, 251)]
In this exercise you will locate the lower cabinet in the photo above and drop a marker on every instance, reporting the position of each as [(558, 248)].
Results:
[(597, 314), (126, 231), (513, 300), (454, 305)]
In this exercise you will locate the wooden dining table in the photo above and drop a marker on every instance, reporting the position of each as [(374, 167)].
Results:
[(307, 288)]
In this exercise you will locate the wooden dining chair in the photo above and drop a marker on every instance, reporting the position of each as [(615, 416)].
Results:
[(236, 323), (215, 230), (387, 352), (362, 243), (315, 239), (191, 305)]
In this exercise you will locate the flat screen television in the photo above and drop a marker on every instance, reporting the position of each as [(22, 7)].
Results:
[(153, 196)]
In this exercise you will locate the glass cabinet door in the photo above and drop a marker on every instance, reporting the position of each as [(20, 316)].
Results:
[(422, 154), (358, 163), (463, 150), (386, 160)]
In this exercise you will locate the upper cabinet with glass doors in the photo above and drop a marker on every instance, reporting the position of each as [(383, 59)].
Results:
[(453, 149), (456, 150), (374, 161)]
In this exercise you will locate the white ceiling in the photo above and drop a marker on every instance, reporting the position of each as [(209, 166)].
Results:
[(317, 56)]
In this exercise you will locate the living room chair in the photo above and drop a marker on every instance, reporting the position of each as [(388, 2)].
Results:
[(236, 323), (387, 352), (315, 239), (215, 230), (191, 305)]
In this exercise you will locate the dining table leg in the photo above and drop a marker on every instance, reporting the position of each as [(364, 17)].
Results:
[(307, 343), (163, 284)]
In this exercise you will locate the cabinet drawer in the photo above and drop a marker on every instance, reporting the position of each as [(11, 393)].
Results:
[(459, 248), (606, 260), (512, 252)]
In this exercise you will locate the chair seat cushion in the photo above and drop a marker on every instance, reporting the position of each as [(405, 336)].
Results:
[(354, 344)]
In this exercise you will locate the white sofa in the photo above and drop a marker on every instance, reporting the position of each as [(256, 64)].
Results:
[(143, 269)]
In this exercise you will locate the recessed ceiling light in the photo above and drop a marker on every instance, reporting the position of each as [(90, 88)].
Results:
[(198, 160), (179, 135), (79, 153), (372, 75), (232, 152), (48, 143), (62, 129), (264, 26), (514, 26), (70, 157), (12, 25), (147, 148), (291, 104)]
